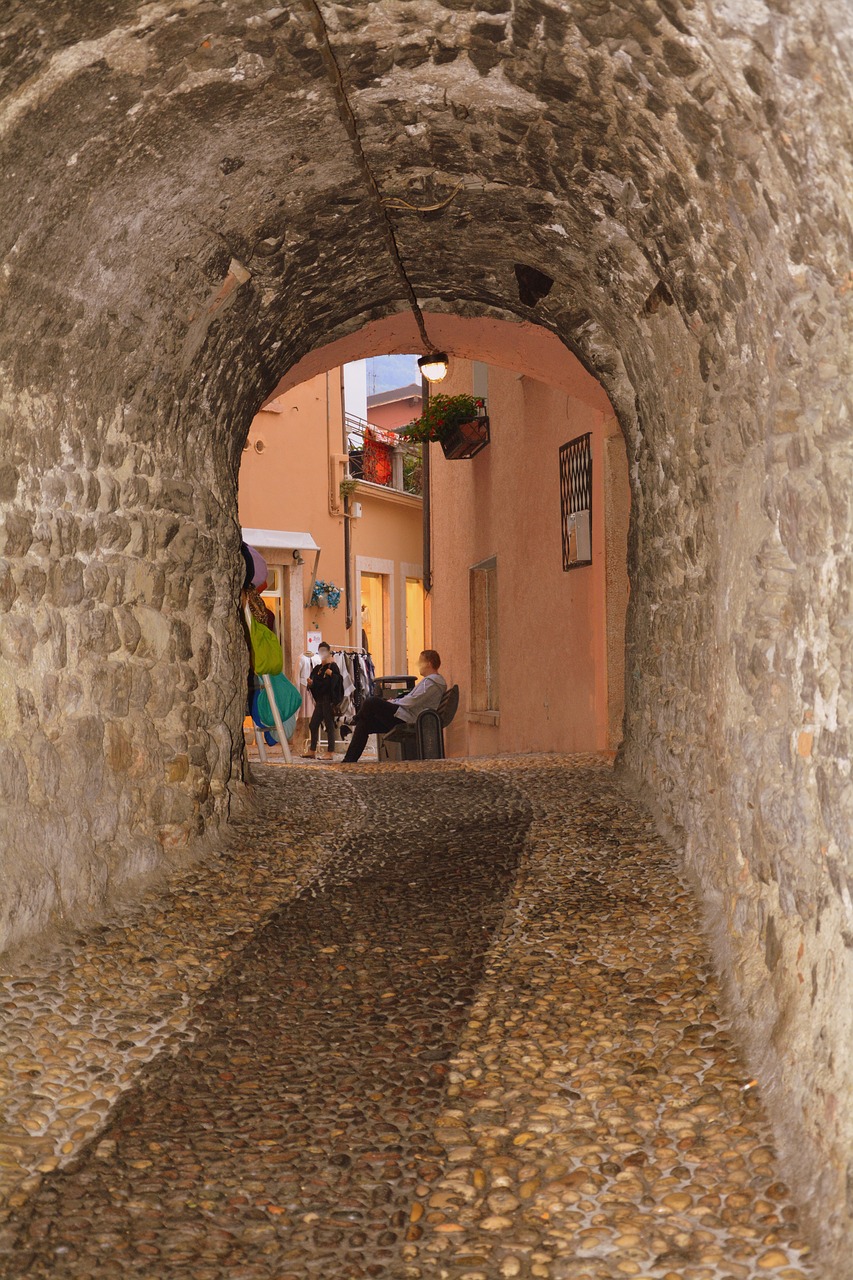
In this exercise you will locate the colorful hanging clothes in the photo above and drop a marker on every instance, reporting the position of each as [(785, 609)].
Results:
[(307, 663), (287, 700), (378, 447)]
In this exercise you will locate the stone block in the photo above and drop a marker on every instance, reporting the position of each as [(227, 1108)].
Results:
[(14, 781), (65, 582), (154, 630), (16, 534), (8, 588), (17, 639), (8, 482)]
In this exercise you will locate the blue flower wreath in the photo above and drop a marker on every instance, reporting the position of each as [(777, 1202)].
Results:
[(326, 593)]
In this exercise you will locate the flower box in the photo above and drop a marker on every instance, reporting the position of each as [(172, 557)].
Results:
[(459, 423), (466, 439)]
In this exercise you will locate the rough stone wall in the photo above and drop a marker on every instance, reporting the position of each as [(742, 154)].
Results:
[(121, 661), (182, 217)]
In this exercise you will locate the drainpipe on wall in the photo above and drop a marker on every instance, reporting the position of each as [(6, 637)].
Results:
[(329, 450), (426, 501), (347, 519), (347, 570)]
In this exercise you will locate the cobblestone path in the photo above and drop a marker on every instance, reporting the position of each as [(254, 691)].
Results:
[(480, 1041)]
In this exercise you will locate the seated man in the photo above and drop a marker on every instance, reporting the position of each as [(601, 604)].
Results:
[(380, 716)]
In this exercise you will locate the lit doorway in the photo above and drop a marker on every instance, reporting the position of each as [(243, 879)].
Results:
[(373, 618), (414, 623)]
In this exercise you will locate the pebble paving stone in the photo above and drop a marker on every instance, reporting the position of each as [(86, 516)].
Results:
[(78, 1023), (468, 1030)]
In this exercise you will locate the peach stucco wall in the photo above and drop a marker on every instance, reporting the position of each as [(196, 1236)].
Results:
[(516, 345), (388, 538), (287, 485), (552, 625)]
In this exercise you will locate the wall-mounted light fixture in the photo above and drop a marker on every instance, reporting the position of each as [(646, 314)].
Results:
[(297, 556), (434, 366)]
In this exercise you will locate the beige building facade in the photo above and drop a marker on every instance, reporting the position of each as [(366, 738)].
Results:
[(366, 540)]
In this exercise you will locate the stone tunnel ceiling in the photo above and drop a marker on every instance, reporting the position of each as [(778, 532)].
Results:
[(182, 218)]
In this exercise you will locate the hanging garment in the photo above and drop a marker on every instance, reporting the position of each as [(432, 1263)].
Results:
[(345, 707), (248, 566), (307, 663), (267, 658), (259, 567), (377, 457), (364, 681), (344, 661), (286, 696)]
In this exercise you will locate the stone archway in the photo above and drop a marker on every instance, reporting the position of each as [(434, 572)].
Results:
[(666, 189)]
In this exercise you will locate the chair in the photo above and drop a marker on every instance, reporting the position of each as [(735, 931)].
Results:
[(423, 740)]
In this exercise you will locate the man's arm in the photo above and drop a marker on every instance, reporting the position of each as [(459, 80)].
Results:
[(425, 696)]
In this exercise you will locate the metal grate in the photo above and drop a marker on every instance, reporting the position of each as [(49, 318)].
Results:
[(576, 501)]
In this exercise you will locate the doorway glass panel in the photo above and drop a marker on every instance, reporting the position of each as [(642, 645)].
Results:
[(414, 623), (373, 618)]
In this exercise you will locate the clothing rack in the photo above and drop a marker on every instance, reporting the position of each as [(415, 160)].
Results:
[(355, 649), (340, 648)]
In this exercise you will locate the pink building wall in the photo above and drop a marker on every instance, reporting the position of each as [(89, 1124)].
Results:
[(396, 413), (555, 628)]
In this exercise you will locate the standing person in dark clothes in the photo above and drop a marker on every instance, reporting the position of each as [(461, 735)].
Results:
[(327, 689), (380, 716)]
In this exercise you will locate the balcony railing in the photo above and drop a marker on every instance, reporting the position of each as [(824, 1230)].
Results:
[(381, 457)]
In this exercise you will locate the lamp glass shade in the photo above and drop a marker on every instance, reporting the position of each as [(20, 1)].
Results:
[(434, 366)]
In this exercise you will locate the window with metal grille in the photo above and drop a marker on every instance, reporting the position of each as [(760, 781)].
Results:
[(576, 501)]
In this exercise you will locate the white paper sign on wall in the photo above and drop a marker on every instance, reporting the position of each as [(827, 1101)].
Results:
[(580, 541)]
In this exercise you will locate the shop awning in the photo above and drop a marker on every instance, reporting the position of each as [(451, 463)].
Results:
[(285, 540), (282, 539)]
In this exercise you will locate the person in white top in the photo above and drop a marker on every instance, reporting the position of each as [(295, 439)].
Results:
[(380, 716)]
